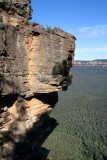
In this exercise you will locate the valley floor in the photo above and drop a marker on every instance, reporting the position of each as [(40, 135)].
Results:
[(82, 116)]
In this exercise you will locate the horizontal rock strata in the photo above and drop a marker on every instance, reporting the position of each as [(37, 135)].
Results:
[(34, 65), (96, 63), (34, 61)]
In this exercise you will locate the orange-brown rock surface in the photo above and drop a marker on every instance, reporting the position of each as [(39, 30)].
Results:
[(34, 61), (34, 66)]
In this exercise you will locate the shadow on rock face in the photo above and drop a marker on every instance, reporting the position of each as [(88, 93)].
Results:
[(61, 71), (30, 148), (17, 142), (51, 100), (60, 68)]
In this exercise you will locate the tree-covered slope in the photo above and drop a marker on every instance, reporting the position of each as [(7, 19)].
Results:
[(82, 116)]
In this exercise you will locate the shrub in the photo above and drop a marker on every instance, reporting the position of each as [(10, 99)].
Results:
[(49, 29), (26, 22)]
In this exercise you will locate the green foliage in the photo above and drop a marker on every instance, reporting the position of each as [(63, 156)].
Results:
[(82, 116), (49, 29), (26, 22)]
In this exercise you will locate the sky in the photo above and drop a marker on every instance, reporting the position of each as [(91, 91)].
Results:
[(85, 19)]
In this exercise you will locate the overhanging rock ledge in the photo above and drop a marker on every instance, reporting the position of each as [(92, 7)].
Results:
[(34, 66)]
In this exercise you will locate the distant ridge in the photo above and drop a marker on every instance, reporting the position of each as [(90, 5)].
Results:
[(96, 62)]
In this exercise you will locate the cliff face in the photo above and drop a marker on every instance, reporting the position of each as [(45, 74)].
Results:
[(34, 66), (15, 11), (97, 63), (34, 61)]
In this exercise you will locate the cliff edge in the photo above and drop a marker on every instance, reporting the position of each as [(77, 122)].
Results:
[(94, 63), (34, 65)]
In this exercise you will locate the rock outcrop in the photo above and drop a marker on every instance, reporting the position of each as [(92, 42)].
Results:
[(34, 61), (15, 12), (34, 66)]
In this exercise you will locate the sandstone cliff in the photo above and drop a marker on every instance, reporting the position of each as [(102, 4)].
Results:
[(97, 63), (34, 66)]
